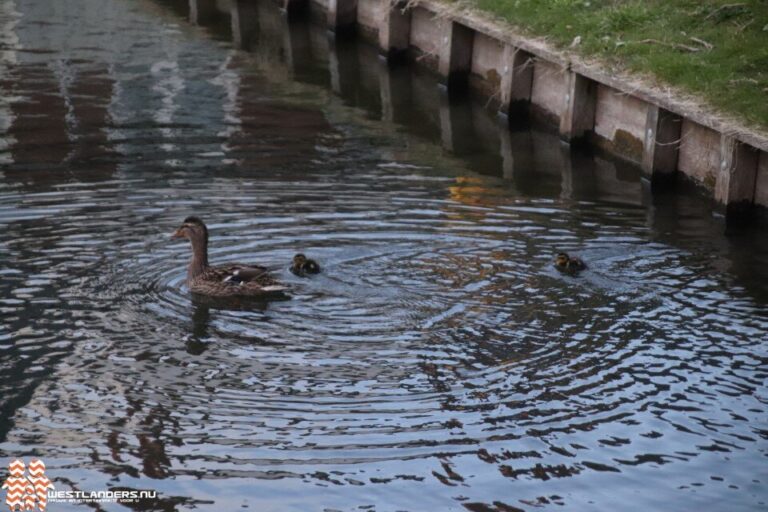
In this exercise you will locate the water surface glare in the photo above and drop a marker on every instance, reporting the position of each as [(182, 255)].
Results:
[(438, 363)]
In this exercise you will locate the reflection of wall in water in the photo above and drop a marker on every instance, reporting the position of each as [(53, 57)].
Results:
[(58, 123)]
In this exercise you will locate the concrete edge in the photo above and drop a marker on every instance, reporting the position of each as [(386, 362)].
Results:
[(624, 82)]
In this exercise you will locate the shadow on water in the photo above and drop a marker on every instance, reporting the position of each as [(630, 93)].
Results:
[(439, 361), (204, 307)]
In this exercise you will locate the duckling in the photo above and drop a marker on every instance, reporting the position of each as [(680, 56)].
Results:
[(567, 263), (233, 280), (302, 265)]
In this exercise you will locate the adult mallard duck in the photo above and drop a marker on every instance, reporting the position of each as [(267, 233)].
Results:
[(302, 265), (233, 280), (569, 263)]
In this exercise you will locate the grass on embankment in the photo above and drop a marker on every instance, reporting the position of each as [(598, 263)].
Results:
[(717, 50)]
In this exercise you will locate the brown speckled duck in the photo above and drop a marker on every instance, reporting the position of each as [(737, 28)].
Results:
[(233, 280), (567, 263)]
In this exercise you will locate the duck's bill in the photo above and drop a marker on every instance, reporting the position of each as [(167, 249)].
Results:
[(177, 234)]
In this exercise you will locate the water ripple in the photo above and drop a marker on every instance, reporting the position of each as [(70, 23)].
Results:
[(438, 360)]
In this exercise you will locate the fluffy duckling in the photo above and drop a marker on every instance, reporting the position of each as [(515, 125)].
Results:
[(302, 265), (567, 263), (233, 280)]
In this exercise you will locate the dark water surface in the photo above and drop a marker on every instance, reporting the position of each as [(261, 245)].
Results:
[(439, 363)]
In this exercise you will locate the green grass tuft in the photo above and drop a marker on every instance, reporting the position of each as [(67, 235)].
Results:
[(670, 39)]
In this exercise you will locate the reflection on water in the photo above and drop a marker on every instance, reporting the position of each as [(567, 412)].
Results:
[(439, 361)]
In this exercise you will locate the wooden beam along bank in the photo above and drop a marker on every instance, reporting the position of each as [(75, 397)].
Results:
[(525, 79)]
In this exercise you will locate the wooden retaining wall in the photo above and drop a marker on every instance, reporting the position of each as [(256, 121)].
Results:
[(579, 101)]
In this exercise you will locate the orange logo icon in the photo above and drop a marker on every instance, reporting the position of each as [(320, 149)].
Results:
[(27, 492)]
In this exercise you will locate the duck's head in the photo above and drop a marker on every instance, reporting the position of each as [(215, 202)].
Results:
[(193, 229), (562, 259), (299, 260)]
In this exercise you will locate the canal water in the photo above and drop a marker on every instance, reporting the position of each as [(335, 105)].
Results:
[(438, 363)]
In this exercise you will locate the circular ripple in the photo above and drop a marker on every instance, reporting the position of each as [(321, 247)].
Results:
[(438, 359)]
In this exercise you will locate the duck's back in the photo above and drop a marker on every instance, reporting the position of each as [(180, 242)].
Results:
[(234, 280)]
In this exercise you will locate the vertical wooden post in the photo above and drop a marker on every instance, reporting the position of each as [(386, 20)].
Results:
[(516, 82), (761, 182), (566, 171), (662, 144), (736, 178), (516, 149), (235, 17), (344, 67), (579, 174), (296, 45), (455, 55), (447, 125), (342, 16), (295, 9), (201, 10), (335, 68), (395, 91), (457, 131), (507, 155), (244, 22), (395, 31), (578, 115)]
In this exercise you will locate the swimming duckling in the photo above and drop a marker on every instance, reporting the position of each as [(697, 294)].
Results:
[(567, 263), (302, 265), (233, 280)]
